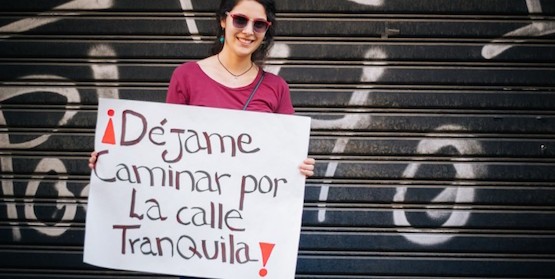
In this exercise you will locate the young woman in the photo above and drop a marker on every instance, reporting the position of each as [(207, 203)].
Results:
[(228, 78)]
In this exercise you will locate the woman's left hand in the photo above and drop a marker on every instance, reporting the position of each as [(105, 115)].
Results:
[(307, 167)]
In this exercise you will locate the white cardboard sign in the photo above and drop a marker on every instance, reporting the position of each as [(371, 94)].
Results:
[(196, 191)]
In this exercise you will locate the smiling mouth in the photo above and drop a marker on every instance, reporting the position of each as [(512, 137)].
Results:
[(245, 41)]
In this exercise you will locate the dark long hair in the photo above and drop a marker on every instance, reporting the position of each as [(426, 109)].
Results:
[(259, 54)]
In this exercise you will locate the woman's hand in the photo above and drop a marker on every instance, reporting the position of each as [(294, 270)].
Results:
[(307, 167), (92, 160)]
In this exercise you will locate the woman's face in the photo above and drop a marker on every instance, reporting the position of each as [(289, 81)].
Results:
[(244, 41)]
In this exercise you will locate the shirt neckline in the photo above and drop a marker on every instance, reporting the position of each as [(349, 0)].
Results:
[(227, 87)]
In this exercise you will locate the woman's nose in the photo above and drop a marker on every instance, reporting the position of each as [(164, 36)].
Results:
[(249, 29)]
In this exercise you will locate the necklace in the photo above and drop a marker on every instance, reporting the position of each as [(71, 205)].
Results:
[(234, 75)]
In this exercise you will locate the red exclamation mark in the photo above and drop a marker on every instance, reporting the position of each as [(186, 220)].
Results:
[(266, 249), (109, 135)]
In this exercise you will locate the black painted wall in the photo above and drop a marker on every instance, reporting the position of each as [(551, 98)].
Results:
[(433, 127)]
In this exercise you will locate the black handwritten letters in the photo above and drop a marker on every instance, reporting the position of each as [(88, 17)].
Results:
[(215, 216), (188, 140), (225, 250), (171, 170)]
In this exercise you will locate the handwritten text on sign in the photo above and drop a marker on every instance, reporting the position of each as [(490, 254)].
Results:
[(196, 191)]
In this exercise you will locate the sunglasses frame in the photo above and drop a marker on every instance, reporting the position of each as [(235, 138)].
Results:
[(236, 17)]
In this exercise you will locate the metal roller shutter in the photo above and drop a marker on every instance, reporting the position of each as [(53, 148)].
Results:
[(433, 128)]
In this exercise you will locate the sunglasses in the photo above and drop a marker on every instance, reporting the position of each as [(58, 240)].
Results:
[(241, 21)]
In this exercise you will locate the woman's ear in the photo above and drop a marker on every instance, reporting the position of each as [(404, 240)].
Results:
[(223, 22)]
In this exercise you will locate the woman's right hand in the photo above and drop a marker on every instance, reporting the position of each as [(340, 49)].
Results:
[(92, 160)]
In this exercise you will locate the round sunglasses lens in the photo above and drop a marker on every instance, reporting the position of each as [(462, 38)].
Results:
[(260, 26), (240, 21)]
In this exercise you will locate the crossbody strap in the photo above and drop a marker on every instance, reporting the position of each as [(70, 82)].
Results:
[(253, 91)]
